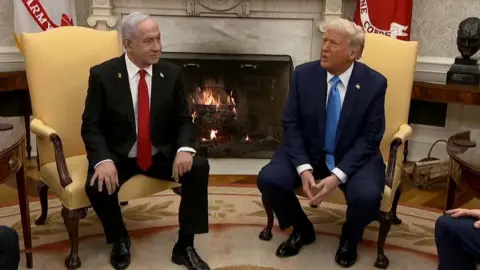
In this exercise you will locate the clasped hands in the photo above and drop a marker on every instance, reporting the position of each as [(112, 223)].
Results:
[(106, 172), (317, 193)]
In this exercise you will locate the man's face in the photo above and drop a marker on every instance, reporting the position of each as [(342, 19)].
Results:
[(146, 47), (336, 52), (468, 39)]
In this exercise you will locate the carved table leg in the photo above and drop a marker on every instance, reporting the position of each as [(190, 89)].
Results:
[(71, 218), (452, 186), (26, 118), (25, 215)]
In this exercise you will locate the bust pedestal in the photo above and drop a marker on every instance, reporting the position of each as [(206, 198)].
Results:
[(464, 71)]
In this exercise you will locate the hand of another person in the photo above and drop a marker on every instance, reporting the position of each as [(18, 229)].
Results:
[(324, 188), (460, 212), (182, 164), (308, 181), (106, 173)]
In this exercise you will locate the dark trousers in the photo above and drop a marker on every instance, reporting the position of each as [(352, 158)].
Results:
[(193, 212), (458, 243), (9, 249), (363, 193)]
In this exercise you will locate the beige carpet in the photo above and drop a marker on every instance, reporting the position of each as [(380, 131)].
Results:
[(236, 217)]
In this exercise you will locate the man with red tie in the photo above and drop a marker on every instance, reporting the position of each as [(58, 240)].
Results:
[(136, 121)]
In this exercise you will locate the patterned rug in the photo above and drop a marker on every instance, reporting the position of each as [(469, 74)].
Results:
[(236, 218)]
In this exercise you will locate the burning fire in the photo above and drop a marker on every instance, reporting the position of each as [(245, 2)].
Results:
[(213, 135)]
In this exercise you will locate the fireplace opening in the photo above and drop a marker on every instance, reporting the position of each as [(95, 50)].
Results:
[(236, 101)]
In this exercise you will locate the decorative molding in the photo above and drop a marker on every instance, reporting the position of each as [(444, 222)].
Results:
[(333, 10), (101, 17), (240, 8)]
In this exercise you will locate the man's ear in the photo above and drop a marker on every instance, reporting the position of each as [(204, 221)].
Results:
[(127, 45)]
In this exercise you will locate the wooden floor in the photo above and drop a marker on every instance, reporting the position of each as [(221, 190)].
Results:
[(411, 195)]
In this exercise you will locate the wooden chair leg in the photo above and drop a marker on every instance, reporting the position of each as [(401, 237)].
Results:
[(385, 224), (266, 234), (396, 220), (71, 218), (42, 190)]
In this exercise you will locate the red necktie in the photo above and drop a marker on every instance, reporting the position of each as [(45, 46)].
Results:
[(144, 146)]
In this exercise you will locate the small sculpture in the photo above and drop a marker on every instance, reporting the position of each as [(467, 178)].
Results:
[(468, 37), (466, 70)]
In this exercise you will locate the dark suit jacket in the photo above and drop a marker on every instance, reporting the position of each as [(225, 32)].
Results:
[(361, 125), (108, 128)]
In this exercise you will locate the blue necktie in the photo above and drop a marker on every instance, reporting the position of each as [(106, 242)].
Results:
[(334, 107)]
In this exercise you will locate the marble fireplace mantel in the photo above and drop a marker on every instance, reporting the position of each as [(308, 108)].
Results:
[(281, 27), (105, 13)]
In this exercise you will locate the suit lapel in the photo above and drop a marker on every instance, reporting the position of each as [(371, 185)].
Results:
[(320, 94), (122, 83), (351, 98), (156, 92)]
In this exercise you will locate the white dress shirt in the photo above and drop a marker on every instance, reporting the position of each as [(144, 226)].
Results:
[(342, 88), (133, 78)]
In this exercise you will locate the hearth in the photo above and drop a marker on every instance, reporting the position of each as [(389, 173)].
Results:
[(236, 101)]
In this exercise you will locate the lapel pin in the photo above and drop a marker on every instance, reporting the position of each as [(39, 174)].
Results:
[(119, 75), (357, 86), (161, 74)]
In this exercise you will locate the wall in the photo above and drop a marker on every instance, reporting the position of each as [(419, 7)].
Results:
[(434, 25)]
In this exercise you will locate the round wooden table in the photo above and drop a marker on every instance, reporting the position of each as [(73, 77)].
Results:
[(464, 165), (12, 156)]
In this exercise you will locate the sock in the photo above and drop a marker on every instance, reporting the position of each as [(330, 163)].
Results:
[(184, 240), (302, 224)]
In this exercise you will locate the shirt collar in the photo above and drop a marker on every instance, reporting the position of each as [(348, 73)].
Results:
[(132, 69), (344, 77)]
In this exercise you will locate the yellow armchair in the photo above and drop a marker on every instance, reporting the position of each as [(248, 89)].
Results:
[(396, 60), (57, 64)]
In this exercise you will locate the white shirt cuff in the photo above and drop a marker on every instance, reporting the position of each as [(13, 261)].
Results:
[(303, 168), (187, 149), (96, 165), (341, 175)]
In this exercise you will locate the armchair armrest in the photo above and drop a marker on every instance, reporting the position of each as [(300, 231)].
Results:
[(403, 134), (40, 129)]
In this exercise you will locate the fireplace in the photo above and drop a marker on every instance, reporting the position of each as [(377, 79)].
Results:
[(236, 101)]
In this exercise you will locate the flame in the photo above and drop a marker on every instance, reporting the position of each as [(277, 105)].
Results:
[(247, 138), (213, 133), (194, 115)]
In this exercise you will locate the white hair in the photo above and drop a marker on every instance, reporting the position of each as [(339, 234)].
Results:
[(356, 34), (130, 23)]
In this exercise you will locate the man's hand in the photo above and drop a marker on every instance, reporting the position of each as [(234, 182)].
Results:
[(182, 164), (324, 188), (106, 173), (307, 182), (460, 212)]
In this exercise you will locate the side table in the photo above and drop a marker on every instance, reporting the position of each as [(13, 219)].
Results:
[(464, 165), (12, 156)]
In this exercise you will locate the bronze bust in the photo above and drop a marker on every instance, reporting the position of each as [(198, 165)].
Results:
[(468, 37)]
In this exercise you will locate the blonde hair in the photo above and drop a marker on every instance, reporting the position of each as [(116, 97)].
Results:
[(356, 34)]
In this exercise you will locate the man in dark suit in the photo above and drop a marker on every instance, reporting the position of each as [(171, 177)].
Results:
[(333, 122), (457, 236), (136, 121), (9, 249)]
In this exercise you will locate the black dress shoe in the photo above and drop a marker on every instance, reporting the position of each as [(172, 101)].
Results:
[(295, 242), (346, 254), (120, 256), (189, 257)]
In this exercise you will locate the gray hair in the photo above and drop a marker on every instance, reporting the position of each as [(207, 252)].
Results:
[(356, 34), (129, 24)]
